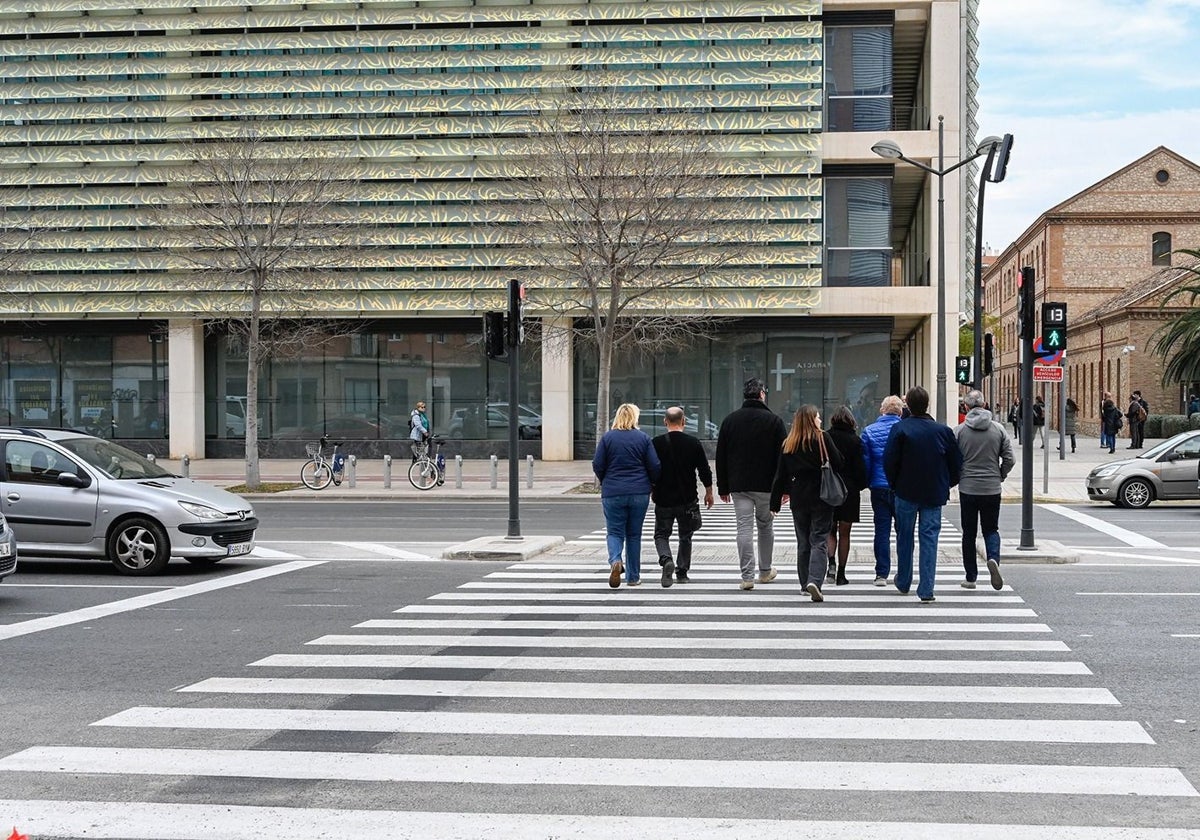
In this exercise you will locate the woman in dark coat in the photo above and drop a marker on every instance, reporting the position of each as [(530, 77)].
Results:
[(799, 478), (845, 436), (1111, 421)]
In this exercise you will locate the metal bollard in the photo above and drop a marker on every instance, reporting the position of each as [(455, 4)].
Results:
[(493, 472), (150, 457), (387, 472), (185, 465), (353, 470), (458, 472), (529, 474)]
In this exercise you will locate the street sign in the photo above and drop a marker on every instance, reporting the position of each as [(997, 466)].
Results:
[(1045, 356), (1044, 373)]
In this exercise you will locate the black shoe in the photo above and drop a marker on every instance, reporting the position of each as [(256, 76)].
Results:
[(681, 577), (842, 580), (668, 575), (928, 600), (1111, 451), (994, 571)]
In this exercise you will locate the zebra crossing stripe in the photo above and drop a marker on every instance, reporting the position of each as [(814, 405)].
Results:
[(627, 625), (652, 594), (1042, 779), (673, 664), (179, 821), (764, 611), (637, 725), (771, 693), (726, 584), (692, 643)]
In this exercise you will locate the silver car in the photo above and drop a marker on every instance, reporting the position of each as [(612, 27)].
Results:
[(1166, 471), (8, 550), (68, 494)]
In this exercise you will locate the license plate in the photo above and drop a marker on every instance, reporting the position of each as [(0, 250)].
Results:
[(238, 548)]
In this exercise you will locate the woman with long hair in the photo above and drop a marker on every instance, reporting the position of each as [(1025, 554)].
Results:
[(798, 477), (627, 466), (844, 432)]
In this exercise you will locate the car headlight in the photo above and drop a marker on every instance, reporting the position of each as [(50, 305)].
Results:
[(1105, 471), (202, 511)]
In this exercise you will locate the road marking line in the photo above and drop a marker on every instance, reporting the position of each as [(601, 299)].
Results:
[(673, 664), (784, 594), (637, 725), (1130, 538), (763, 692), (1156, 559), (626, 625), (566, 770), (52, 622), (1145, 594), (697, 643), (386, 550), (759, 612), (725, 583), (88, 586), (272, 554), (169, 821)]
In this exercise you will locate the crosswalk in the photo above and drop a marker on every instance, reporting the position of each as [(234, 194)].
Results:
[(536, 702)]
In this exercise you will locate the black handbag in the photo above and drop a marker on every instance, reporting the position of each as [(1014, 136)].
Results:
[(833, 489)]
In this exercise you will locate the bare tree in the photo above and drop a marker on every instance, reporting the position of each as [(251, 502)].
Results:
[(260, 224), (622, 212)]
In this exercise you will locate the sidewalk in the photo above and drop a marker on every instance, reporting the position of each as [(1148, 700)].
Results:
[(557, 478)]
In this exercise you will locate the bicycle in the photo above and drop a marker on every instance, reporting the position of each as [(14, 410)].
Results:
[(319, 471), (428, 471)]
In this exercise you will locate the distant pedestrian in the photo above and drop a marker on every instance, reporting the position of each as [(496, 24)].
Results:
[(675, 498), (1039, 420), (1111, 421), (418, 430), (748, 447), (1014, 417), (844, 433), (799, 478), (922, 461), (1136, 415), (987, 459), (883, 500), (1071, 424), (1193, 406), (1105, 397), (627, 466)]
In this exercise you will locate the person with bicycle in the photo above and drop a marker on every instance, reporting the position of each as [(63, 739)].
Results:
[(418, 430)]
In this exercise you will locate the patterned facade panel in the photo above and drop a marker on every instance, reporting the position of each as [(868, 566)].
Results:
[(431, 105)]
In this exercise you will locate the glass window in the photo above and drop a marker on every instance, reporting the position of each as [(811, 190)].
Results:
[(30, 462), (858, 78), (858, 221), (1160, 248)]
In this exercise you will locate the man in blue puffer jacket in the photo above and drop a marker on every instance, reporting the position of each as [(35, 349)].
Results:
[(883, 504)]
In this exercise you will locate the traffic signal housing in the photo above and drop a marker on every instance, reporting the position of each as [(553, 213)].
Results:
[(989, 355), (1054, 326), (962, 370), (1025, 307), (494, 334)]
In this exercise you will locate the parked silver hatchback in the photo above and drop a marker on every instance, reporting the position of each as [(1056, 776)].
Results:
[(68, 494)]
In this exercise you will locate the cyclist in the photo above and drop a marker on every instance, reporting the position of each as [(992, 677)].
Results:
[(418, 428)]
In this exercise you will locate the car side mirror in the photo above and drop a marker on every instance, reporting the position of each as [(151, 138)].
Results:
[(70, 479)]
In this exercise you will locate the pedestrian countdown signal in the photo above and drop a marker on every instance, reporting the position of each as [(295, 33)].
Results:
[(962, 370), (1054, 326)]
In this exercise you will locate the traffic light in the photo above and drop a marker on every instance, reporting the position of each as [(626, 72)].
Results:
[(493, 334), (1054, 326), (962, 370), (989, 354), (1025, 293), (516, 301), (1000, 164)]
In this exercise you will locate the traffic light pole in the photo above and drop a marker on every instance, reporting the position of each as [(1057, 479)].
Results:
[(513, 340), (1025, 304)]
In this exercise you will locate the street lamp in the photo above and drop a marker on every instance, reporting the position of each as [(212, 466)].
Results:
[(891, 150)]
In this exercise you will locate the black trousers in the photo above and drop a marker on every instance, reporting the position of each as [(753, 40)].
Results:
[(665, 517), (984, 512)]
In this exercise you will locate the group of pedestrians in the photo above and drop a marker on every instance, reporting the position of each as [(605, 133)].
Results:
[(906, 459)]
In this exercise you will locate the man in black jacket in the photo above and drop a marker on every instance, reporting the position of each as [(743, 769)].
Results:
[(748, 448), (674, 494)]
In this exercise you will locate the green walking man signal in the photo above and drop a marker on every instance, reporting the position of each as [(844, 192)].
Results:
[(1054, 326), (962, 370)]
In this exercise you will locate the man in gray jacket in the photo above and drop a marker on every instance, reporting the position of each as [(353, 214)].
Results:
[(987, 461)]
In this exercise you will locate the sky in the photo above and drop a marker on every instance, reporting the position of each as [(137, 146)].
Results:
[(1085, 87)]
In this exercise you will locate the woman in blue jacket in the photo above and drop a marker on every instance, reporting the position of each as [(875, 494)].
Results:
[(627, 466)]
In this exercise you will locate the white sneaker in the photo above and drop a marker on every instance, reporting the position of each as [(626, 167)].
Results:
[(747, 584), (880, 581), (768, 576), (967, 584)]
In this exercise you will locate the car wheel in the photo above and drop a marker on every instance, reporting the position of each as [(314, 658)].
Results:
[(204, 562), (139, 546), (1136, 493)]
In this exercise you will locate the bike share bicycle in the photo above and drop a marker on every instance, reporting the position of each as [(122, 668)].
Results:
[(428, 471), (319, 471)]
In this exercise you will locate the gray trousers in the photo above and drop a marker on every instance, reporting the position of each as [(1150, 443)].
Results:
[(752, 509)]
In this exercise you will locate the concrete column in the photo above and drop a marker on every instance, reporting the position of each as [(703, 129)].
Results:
[(185, 370), (558, 390)]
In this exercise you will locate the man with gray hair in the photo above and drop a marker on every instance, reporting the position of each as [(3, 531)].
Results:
[(675, 498), (987, 461), (883, 501)]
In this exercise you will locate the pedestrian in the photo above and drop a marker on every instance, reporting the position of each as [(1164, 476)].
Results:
[(1014, 417), (1193, 406), (675, 498), (1039, 420), (748, 446), (799, 478), (987, 459), (843, 431), (1111, 421), (883, 501), (922, 462), (627, 466), (1071, 425), (1136, 415), (418, 430)]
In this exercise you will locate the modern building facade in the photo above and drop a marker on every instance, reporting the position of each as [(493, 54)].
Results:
[(1107, 253), (104, 327)]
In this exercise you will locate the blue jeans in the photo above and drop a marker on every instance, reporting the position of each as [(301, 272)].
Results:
[(907, 514), (624, 516), (883, 505)]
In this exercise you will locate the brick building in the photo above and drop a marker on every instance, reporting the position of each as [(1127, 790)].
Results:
[(1103, 252)]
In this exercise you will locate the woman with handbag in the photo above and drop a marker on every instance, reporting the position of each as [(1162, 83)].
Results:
[(844, 433), (808, 475)]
